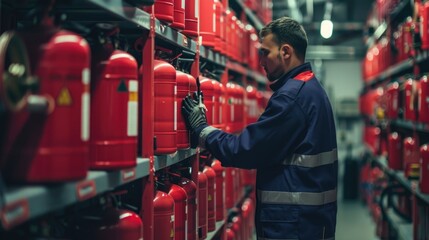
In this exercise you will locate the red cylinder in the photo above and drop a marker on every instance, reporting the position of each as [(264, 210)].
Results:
[(222, 107), (183, 89), (192, 13), (252, 105), (179, 15), (208, 89), (164, 10), (410, 94), (163, 216), (395, 151), (423, 109), (229, 33), (165, 107), (408, 35), (52, 145), (220, 190), (191, 191), (216, 104), (230, 235), (208, 23), (211, 198), (392, 100), (230, 116), (119, 224), (424, 25), (424, 169), (229, 187), (237, 226), (202, 205), (239, 108), (220, 24), (180, 208), (411, 158), (114, 95)]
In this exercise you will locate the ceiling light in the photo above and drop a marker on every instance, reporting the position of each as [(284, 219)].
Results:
[(326, 28)]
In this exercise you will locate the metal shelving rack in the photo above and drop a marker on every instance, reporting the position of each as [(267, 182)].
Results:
[(24, 203)]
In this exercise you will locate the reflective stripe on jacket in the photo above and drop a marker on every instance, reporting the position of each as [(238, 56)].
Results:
[(293, 147)]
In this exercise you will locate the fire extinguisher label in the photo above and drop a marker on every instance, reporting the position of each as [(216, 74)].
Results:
[(197, 10), (183, 4), (214, 17), (85, 105), (132, 108)]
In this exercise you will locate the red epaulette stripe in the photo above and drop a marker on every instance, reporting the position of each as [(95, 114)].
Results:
[(304, 76)]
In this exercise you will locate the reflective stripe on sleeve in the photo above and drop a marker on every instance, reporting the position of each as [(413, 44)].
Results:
[(298, 198), (203, 135), (312, 160)]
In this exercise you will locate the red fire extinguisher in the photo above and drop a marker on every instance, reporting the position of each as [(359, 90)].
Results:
[(252, 105), (423, 109), (202, 205), (240, 108), (216, 103), (180, 198), (183, 89), (163, 216), (230, 116), (424, 25), (220, 24), (164, 10), (411, 158), (118, 224), (114, 93), (410, 95), (211, 198), (165, 128), (220, 189), (208, 22), (208, 89), (230, 235), (191, 191), (12, 55), (192, 15), (229, 187), (179, 15), (52, 145), (424, 169), (222, 107), (392, 93), (395, 151)]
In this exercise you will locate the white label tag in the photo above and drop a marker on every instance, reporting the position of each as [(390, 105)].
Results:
[(214, 17), (85, 117), (197, 9), (175, 108), (132, 119)]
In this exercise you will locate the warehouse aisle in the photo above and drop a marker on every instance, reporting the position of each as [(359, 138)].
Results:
[(354, 221)]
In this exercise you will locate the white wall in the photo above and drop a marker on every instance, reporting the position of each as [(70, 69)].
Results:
[(343, 77)]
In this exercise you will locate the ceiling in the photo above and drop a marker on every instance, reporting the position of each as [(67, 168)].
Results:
[(348, 18)]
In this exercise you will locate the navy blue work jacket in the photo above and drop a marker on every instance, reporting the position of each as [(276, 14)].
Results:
[(293, 147)]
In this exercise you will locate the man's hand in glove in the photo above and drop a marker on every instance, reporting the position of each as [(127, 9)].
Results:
[(195, 118)]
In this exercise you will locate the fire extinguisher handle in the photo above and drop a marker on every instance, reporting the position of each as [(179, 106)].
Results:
[(38, 104)]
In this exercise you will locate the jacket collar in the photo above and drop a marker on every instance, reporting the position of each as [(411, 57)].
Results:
[(291, 74)]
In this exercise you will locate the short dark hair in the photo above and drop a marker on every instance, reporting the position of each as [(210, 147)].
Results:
[(287, 30)]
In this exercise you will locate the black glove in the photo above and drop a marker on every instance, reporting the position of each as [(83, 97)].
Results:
[(195, 118)]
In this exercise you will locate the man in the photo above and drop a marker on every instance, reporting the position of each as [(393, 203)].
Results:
[(292, 145)]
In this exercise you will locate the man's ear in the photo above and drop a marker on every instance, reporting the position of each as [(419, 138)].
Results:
[(286, 50)]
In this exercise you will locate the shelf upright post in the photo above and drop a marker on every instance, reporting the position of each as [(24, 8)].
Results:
[(146, 126)]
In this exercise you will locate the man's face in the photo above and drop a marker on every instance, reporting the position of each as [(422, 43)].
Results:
[(270, 58)]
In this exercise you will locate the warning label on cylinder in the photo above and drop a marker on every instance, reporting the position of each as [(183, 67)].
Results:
[(64, 98)]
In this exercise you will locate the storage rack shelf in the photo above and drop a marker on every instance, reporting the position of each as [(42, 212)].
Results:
[(163, 161), (410, 185), (250, 15), (394, 70), (213, 234), (23, 203)]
